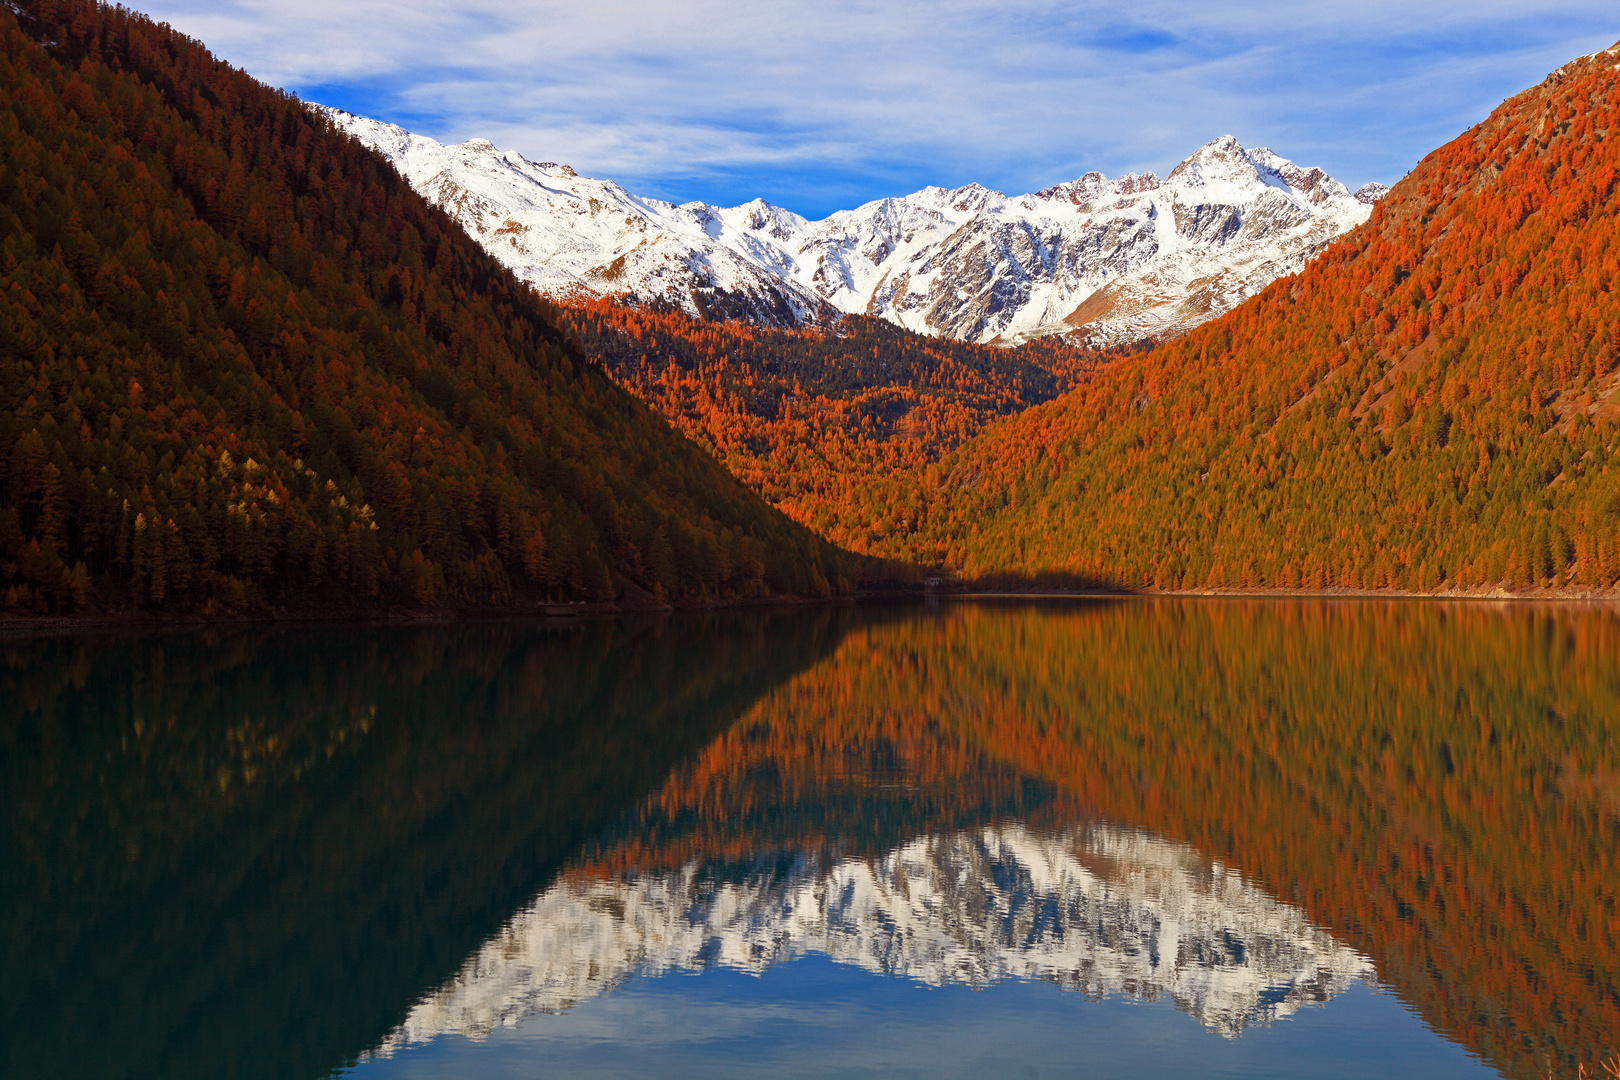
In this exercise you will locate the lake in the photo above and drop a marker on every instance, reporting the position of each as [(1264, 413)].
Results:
[(1144, 837)]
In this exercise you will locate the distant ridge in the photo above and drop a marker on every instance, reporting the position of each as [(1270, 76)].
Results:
[(1106, 262)]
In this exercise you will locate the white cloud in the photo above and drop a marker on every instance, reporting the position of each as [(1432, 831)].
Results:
[(855, 96)]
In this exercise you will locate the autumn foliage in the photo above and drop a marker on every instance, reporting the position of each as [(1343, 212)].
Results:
[(832, 424), (1428, 406), (244, 367)]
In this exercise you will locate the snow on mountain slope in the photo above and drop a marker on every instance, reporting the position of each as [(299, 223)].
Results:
[(1098, 909), (561, 231), (1104, 261)]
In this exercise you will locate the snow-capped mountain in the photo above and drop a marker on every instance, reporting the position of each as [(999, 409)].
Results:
[(1105, 261), (1098, 909)]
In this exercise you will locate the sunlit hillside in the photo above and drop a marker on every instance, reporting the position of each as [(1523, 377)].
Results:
[(832, 425), (1430, 405)]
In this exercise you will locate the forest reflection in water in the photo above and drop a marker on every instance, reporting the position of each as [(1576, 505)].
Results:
[(270, 853)]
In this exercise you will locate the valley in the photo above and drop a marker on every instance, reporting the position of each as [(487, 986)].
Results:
[(1239, 377), (461, 617)]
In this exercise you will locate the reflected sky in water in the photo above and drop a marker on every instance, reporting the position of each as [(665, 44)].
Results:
[(1124, 839), (816, 1017), (1097, 910)]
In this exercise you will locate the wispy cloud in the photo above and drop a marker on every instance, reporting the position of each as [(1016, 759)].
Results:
[(820, 105)]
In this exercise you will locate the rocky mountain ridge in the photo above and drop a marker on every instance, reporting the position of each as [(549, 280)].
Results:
[(1099, 909), (1105, 262)]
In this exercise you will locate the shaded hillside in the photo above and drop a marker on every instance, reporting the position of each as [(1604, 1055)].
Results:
[(1430, 404), (829, 425), (245, 366)]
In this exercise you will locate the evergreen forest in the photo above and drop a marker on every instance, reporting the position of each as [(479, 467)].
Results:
[(247, 369)]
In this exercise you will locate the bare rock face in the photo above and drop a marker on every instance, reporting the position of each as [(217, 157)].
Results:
[(1102, 261), (1371, 193)]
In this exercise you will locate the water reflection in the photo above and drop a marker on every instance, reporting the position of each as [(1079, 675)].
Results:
[(1097, 909), (1431, 784), (265, 854), (246, 853)]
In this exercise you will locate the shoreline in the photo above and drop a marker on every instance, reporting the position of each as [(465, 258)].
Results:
[(1610, 596), (557, 614), (563, 614)]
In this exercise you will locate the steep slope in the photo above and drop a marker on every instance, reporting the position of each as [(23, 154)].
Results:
[(245, 366), (1430, 404), (1107, 261), (829, 423)]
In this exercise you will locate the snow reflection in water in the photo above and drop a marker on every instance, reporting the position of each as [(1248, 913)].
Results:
[(1098, 909)]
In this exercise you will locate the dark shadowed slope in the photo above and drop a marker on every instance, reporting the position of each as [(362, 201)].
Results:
[(244, 853), (245, 367)]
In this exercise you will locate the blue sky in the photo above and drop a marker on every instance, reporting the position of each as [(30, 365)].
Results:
[(818, 106)]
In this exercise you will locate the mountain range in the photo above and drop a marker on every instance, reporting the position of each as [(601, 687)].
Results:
[(1101, 261), (249, 366)]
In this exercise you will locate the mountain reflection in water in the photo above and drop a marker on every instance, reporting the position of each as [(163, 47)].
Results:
[(273, 853), (1096, 909)]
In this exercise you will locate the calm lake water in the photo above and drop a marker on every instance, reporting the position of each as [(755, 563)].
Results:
[(1114, 839)]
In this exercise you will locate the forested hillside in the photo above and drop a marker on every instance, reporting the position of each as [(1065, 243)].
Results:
[(244, 366), (1429, 405), (832, 425)]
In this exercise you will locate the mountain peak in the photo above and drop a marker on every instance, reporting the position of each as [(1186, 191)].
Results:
[(973, 197), (1370, 193), (1086, 189), (1222, 148), (1223, 158), (957, 262)]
